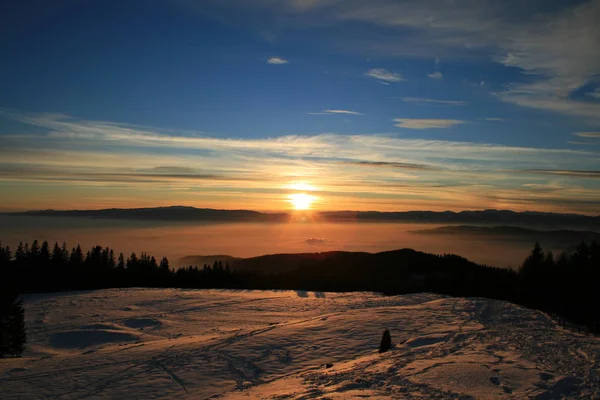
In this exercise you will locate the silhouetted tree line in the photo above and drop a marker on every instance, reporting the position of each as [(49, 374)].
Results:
[(565, 286)]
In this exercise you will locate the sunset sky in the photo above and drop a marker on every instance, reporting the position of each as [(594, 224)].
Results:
[(328, 104)]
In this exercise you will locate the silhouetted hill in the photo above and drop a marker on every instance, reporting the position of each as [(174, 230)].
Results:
[(517, 233), (397, 271), (280, 263), (180, 213)]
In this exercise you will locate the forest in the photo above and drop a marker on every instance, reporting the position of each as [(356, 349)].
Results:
[(565, 286)]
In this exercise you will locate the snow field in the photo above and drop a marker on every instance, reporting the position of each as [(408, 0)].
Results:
[(200, 344)]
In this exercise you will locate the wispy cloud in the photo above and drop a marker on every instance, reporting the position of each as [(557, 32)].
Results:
[(333, 112), (435, 75), (595, 93), (382, 74), (567, 172), (495, 119), (383, 83), (410, 123), (425, 101), (387, 164), (587, 134), (343, 112), (580, 143), (277, 60)]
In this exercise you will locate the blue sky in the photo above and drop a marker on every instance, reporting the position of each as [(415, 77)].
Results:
[(377, 104)]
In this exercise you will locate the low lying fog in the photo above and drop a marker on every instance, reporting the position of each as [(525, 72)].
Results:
[(175, 240)]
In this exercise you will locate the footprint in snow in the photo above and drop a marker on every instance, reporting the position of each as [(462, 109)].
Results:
[(495, 380), (507, 390), (9, 373), (545, 376)]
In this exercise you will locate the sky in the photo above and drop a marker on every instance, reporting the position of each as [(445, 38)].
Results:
[(322, 104)]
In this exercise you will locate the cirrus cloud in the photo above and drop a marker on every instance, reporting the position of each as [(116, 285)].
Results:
[(333, 112), (382, 74), (423, 101), (411, 123), (587, 134), (277, 60)]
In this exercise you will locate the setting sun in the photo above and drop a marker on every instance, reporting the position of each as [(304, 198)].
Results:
[(301, 201)]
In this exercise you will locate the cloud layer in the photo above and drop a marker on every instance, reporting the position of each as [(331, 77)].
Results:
[(94, 162)]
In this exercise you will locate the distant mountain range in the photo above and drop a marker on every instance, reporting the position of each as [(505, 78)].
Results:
[(173, 213), (181, 213), (516, 233)]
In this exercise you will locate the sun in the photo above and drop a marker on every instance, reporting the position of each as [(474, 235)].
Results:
[(301, 201)]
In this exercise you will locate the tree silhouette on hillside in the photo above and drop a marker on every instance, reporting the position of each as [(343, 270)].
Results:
[(565, 285)]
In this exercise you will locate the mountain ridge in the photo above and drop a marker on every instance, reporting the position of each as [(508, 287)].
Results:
[(187, 213)]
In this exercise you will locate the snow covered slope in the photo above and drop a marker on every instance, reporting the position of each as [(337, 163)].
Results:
[(199, 344)]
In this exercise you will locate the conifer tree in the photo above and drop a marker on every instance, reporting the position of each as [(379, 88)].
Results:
[(12, 326)]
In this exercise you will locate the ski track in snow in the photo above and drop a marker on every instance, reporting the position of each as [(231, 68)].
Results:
[(219, 344)]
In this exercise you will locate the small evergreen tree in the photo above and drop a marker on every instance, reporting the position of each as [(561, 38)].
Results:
[(386, 341), (534, 261), (12, 326)]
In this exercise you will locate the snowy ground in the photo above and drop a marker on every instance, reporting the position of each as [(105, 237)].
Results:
[(144, 344)]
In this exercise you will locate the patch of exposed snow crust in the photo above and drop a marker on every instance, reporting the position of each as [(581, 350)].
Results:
[(168, 343)]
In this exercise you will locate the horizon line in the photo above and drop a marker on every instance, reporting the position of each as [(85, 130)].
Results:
[(290, 212)]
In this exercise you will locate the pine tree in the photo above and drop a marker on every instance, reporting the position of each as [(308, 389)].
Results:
[(5, 256), (12, 326), (35, 250), (57, 255), (45, 253), (164, 264), (77, 256), (121, 264), (112, 263), (20, 253), (386, 341), (65, 251), (534, 261), (132, 261)]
